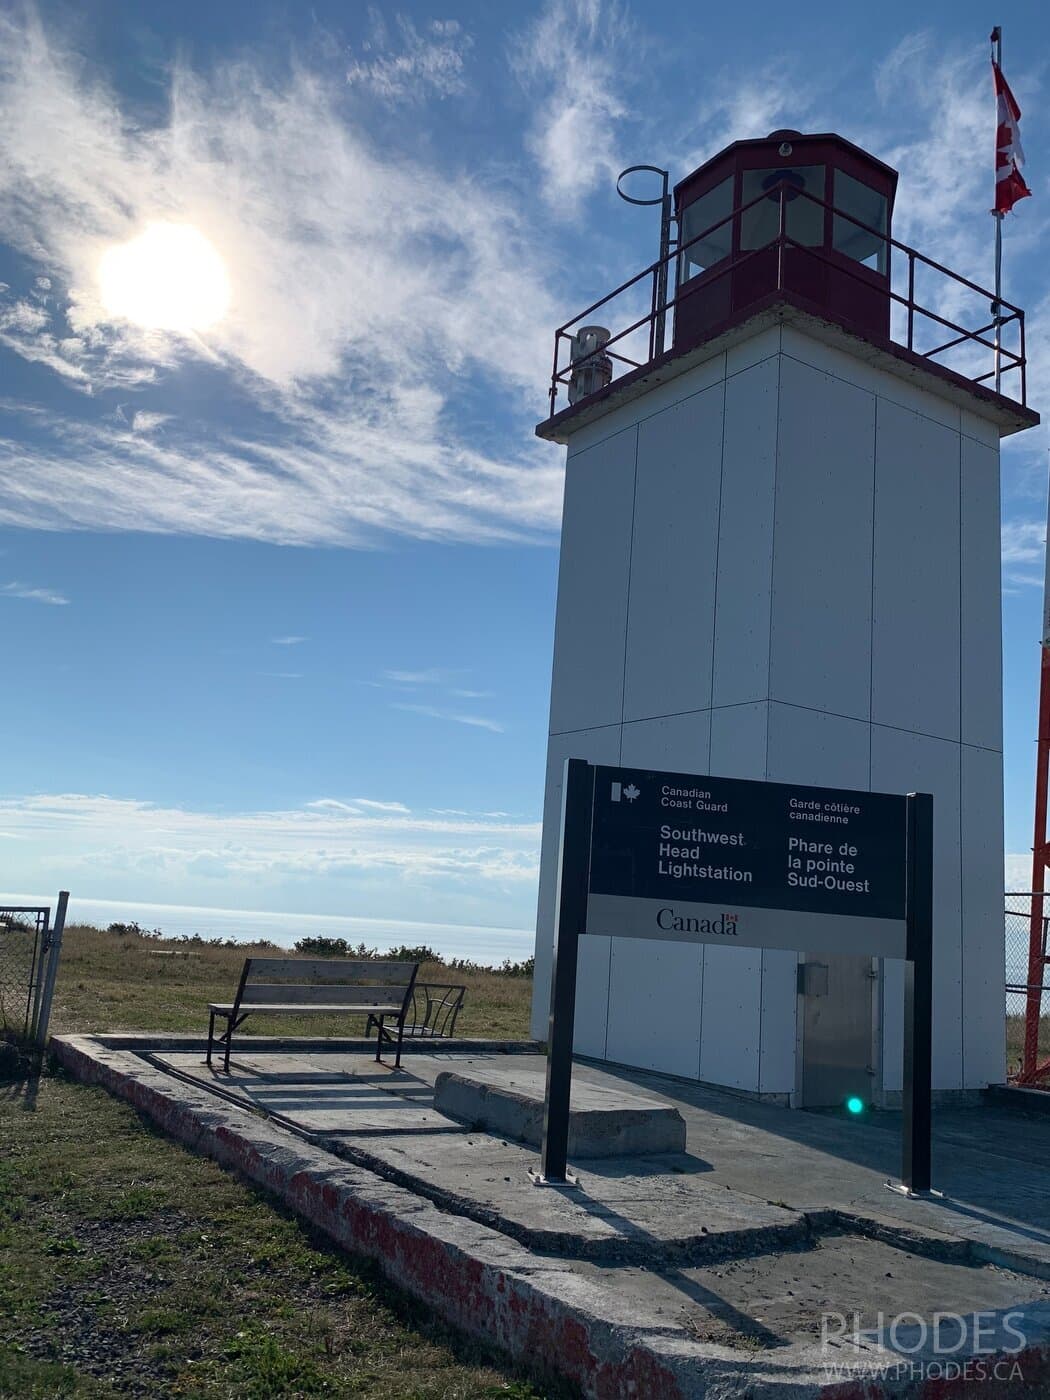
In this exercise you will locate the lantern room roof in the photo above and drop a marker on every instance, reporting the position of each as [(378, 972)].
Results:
[(821, 148)]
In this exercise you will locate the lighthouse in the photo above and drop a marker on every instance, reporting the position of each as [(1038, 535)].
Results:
[(780, 561)]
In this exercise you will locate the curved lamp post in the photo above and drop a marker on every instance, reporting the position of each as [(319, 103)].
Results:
[(664, 201)]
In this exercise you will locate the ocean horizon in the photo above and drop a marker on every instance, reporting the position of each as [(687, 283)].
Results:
[(480, 944)]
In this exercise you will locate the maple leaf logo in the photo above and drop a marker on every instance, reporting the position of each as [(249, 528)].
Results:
[(631, 792)]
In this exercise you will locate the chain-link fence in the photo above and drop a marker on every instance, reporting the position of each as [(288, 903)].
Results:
[(30, 945), (1021, 909)]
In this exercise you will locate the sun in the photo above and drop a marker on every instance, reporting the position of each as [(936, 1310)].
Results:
[(168, 278)]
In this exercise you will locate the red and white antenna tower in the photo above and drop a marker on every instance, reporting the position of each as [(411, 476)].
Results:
[(1033, 1071)]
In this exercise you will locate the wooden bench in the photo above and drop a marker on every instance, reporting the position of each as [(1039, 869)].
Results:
[(376, 988)]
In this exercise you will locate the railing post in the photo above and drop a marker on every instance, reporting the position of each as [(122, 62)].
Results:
[(911, 297), (1024, 362), (655, 342)]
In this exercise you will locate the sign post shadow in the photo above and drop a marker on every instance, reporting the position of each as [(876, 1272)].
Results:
[(698, 859)]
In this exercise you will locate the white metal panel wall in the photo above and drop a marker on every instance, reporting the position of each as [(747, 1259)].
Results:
[(745, 552), (981, 642), (591, 626), (654, 1005), (674, 554), (731, 1019), (915, 636), (889, 388), (837, 484), (669, 1042), (731, 1015), (805, 746), (983, 957), (820, 628)]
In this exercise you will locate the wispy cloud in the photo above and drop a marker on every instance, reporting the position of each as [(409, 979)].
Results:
[(286, 641), (400, 63), (1023, 553), (33, 595), (435, 712), (348, 435), (434, 676), (573, 61), (121, 835)]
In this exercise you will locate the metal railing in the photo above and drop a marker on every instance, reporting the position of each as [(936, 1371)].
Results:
[(917, 316)]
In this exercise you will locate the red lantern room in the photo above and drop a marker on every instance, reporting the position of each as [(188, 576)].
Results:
[(809, 214)]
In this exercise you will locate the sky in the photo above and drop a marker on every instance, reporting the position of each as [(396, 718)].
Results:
[(277, 591)]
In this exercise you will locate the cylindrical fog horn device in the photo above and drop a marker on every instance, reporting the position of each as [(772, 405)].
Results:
[(591, 370)]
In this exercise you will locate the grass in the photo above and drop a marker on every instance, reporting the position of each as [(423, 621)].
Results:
[(117, 982), (1015, 1041), (129, 1267)]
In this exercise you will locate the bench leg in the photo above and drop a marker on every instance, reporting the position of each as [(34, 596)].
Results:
[(211, 1037), (400, 1038), (379, 1040)]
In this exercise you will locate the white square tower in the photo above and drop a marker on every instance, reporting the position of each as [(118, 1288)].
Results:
[(780, 560)]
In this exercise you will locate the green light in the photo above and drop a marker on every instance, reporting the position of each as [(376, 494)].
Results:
[(854, 1105)]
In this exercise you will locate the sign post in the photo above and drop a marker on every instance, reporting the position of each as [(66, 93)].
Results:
[(698, 859), (570, 920), (918, 1001)]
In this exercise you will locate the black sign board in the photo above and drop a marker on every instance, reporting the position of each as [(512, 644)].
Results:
[(722, 860), (725, 860)]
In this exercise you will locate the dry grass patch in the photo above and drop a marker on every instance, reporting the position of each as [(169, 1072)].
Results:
[(132, 982)]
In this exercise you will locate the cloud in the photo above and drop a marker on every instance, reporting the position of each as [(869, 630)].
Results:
[(572, 61), (355, 805), (33, 595), (434, 712), (1018, 870), (410, 65), (1023, 552), (434, 676), (346, 352), (123, 835), (286, 641)]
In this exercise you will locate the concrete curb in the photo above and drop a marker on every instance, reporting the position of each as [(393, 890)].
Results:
[(532, 1306), (162, 1042)]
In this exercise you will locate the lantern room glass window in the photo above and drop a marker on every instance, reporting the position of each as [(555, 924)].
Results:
[(709, 209), (868, 206), (760, 224)]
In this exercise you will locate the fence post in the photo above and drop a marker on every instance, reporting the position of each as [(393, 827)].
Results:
[(54, 952)]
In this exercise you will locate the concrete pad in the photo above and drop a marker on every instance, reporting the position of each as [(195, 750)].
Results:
[(682, 1276), (603, 1122)]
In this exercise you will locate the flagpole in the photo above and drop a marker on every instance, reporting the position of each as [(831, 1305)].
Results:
[(997, 310)]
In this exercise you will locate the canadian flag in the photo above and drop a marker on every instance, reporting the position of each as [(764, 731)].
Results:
[(1009, 157)]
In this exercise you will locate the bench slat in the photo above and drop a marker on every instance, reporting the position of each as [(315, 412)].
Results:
[(298, 1009), (377, 970), (331, 995)]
